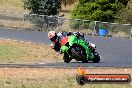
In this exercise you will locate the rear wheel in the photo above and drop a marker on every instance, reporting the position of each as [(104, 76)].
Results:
[(96, 57), (66, 58)]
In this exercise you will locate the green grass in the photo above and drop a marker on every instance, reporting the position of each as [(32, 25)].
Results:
[(11, 53)]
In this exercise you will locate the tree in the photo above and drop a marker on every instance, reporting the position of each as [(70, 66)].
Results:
[(46, 7), (42, 7), (125, 14), (100, 10)]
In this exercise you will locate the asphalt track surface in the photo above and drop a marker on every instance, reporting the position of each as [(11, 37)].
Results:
[(115, 52)]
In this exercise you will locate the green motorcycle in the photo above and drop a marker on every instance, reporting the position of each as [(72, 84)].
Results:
[(78, 49)]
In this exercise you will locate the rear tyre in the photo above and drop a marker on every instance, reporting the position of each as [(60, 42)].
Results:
[(66, 58), (96, 58)]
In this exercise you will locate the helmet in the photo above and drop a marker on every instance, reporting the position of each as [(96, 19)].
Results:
[(52, 36)]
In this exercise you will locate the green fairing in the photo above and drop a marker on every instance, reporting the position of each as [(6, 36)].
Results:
[(64, 49), (74, 40)]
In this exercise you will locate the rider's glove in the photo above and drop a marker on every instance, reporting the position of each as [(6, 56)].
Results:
[(52, 45), (92, 45)]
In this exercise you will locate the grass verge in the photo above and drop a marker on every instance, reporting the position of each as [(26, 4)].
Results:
[(12, 51)]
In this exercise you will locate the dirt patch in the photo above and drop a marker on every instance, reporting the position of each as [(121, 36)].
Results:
[(43, 74), (53, 77)]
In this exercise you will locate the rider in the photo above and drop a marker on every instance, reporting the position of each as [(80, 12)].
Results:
[(55, 38), (52, 35)]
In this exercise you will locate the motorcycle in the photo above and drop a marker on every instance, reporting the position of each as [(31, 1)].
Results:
[(78, 49)]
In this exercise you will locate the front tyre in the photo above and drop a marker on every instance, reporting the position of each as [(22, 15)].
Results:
[(66, 58), (96, 57)]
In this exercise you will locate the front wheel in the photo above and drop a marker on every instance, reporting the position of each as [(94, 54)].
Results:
[(96, 57), (66, 58)]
